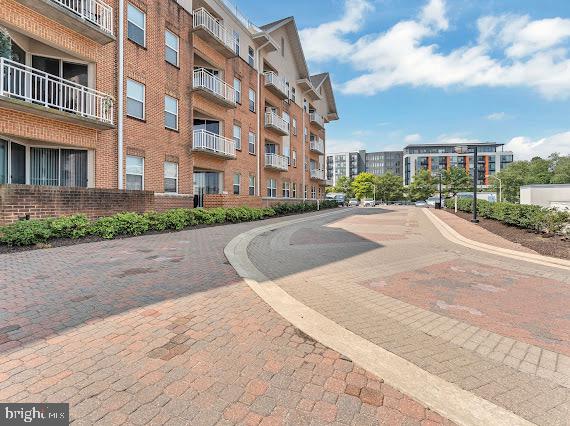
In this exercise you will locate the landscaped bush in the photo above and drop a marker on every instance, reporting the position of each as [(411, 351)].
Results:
[(524, 216), (31, 232)]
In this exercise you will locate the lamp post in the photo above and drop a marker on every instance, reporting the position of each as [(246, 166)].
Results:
[(440, 189), (463, 150), (374, 198), (500, 186)]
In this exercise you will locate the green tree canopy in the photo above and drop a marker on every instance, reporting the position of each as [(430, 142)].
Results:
[(423, 186), (5, 44), (344, 185), (456, 180), (389, 187), (560, 169), (363, 185)]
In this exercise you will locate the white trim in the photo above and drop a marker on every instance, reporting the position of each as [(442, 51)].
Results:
[(136, 100), (144, 24), (177, 50)]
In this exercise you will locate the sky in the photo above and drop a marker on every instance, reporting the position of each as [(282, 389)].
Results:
[(429, 71)]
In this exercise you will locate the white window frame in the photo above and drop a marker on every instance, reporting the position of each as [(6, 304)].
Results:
[(143, 100), (170, 112), (294, 158), (170, 177), (251, 141), (272, 188), (286, 190), (238, 184), (294, 189), (237, 139), (129, 6), (251, 185), (177, 49), (250, 57), (142, 174), (313, 192), (237, 88), (294, 126), (251, 100)]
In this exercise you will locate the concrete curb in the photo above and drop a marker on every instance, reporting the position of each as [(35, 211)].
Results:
[(447, 399), (455, 237)]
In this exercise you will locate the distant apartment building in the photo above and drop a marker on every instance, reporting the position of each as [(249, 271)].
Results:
[(434, 157), (212, 110), (350, 164)]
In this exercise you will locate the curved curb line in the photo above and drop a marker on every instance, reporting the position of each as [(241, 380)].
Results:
[(455, 237), (447, 399)]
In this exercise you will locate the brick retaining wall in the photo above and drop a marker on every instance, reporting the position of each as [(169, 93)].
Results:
[(19, 201), (230, 200)]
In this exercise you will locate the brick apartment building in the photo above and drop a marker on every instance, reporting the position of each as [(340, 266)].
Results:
[(213, 110)]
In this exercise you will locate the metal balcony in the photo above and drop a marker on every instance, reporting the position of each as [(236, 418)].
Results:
[(214, 88), (317, 119), (318, 174), (212, 143), (31, 90), (276, 162), (317, 145), (210, 28), (276, 85), (276, 123)]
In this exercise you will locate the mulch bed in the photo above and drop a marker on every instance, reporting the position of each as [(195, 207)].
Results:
[(553, 246)]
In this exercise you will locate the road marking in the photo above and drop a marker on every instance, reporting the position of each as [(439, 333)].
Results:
[(452, 235), (447, 399)]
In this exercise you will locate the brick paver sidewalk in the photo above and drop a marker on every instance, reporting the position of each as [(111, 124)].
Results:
[(494, 326), (160, 330)]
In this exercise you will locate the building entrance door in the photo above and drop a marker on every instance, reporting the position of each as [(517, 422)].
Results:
[(205, 183)]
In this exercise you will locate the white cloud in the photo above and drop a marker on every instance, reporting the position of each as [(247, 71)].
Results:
[(511, 51), (526, 148), (498, 116), (326, 41), (414, 138), (344, 145)]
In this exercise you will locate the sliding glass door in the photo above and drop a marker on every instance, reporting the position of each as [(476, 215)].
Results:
[(17, 163), (3, 161)]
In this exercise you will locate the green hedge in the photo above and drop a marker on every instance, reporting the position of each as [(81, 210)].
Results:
[(520, 215), (29, 232)]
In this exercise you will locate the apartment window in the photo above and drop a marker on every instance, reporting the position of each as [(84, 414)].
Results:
[(305, 132), (251, 143), (294, 125), (252, 100), (172, 49), (294, 158), (251, 185), (294, 189), (251, 56), (305, 191), (237, 136), (236, 39), (313, 192), (136, 29), (135, 99), (286, 189), (170, 113), (237, 88), (282, 47), (237, 178), (135, 173), (272, 188), (305, 105), (170, 177), (293, 95)]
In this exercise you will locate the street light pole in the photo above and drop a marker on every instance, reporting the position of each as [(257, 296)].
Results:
[(475, 182), (500, 186), (440, 189)]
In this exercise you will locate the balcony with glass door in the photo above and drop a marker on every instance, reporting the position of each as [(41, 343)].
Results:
[(91, 18), (317, 145), (276, 123), (213, 30), (214, 88), (316, 119), (212, 143), (52, 88), (317, 174)]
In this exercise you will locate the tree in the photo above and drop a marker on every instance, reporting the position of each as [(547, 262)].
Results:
[(422, 186), (539, 171), (344, 185), (456, 180), (363, 185), (389, 187), (512, 178), (5, 44), (560, 169)]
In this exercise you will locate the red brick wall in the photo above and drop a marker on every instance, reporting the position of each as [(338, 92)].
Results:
[(229, 200), (17, 201)]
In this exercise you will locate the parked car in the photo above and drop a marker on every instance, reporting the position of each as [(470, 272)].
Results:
[(421, 204), (368, 203), (431, 201), (353, 202), (339, 198)]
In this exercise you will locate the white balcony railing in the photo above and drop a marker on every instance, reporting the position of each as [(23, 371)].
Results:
[(94, 11), (272, 120), (206, 81), (317, 145), (37, 87), (214, 143), (202, 18), (272, 79), (276, 161), (318, 174), (317, 119)]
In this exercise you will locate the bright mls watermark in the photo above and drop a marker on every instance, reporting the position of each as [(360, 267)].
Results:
[(34, 414)]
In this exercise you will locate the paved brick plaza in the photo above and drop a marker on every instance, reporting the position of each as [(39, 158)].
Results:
[(494, 326), (161, 330)]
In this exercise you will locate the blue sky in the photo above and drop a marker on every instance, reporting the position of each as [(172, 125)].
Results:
[(439, 70)]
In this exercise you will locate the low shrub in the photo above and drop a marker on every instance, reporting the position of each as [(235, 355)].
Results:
[(524, 216), (30, 232)]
